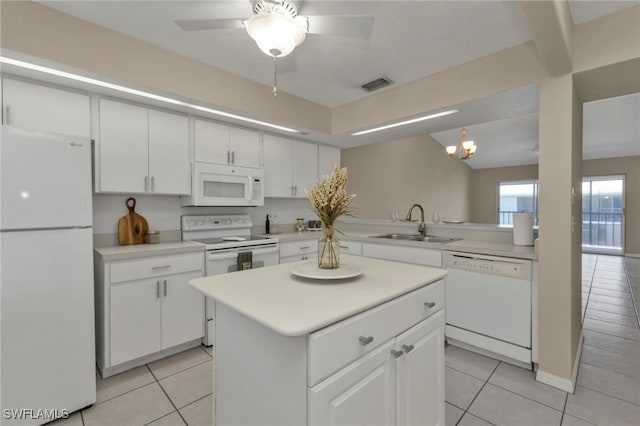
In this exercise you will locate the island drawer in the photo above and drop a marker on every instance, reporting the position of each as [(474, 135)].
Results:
[(298, 247), (339, 344), (155, 266)]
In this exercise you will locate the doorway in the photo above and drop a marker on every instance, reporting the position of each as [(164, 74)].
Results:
[(603, 214)]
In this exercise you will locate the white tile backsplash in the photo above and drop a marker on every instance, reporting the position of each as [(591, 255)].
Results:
[(163, 212)]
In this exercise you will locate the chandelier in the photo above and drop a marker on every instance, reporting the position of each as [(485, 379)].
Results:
[(468, 147)]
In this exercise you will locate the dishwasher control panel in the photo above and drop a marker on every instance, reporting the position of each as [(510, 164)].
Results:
[(503, 266)]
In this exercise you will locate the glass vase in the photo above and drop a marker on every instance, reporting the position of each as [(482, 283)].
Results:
[(328, 250)]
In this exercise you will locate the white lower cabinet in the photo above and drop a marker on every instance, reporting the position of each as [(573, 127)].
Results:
[(418, 255), (361, 394), (420, 373), (399, 383), (145, 307), (294, 251)]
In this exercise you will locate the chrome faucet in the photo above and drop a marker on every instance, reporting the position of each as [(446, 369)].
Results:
[(421, 226)]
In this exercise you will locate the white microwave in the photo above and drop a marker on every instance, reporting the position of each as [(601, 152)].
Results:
[(218, 185)]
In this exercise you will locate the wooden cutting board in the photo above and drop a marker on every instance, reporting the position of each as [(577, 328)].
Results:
[(132, 228)]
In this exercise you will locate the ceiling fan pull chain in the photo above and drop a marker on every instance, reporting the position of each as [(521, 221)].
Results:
[(275, 76)]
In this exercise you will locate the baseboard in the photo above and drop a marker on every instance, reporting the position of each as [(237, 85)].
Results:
[(632, 254), (567, 385), (119, 368)]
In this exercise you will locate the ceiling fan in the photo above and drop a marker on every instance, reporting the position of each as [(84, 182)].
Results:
[(277, 28)]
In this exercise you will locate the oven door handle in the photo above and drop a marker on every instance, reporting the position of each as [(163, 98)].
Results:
[(234, 254)]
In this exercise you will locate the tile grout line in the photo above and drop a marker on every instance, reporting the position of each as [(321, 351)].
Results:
[(477, 394), (528, 398), (124, 393), (181, 371), (633, 301), (610, 335), (606, 394), (168, 397), (564, 407)]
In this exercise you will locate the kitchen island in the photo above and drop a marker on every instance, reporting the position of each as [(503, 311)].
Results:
[(293, 351)]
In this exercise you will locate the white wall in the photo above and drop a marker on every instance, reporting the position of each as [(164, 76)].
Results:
[(163, 212)]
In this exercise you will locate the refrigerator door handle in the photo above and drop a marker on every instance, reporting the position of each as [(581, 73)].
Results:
[(158, 289)]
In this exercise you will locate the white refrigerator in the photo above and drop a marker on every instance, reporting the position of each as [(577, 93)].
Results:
[(47, 353)]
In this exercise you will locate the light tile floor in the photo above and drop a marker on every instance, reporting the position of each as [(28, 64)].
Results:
[(479, 390)]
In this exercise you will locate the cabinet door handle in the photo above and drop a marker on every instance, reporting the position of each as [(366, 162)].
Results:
[(429, 304), (7, 114), (396, 354), (228, 157), (364, 341), (343, 247), (153, 183), (233, 157), (160, 267), (165, 294), (146, 186), (305, 248), (295, 190), (407, 348), (292, 190), (158, 289)]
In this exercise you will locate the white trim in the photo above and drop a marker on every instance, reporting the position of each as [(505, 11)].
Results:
[(632, 254), (567, 385)]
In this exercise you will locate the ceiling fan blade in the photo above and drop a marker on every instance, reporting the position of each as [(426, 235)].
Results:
[(351, 26), (209, 24)]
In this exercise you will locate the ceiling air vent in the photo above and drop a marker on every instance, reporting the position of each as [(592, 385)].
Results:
[(376, 84)]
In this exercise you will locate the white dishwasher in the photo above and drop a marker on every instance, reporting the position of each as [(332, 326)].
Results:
[(488, 305)]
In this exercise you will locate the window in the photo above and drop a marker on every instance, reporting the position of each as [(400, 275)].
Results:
[(603, 214), (517, 197)]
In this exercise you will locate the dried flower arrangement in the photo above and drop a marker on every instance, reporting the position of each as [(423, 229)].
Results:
[(329, 200)]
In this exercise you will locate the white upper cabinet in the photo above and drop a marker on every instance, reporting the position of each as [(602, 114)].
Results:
[(290, 166), (328, 156), (36, 107), (169, 169), (245, 147), (220, 144), (278, 166), (123, 148), (141, 150), (305, 167)]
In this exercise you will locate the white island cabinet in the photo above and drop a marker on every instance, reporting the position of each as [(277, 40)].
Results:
[(362, 351)]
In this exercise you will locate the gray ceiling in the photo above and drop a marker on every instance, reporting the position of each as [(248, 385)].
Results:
[(410, 40)]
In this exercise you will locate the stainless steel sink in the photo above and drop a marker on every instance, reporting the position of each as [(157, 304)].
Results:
[(417, 237)]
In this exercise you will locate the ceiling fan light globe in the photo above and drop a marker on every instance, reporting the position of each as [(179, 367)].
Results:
[(451, 149), (467, 145), (275, 33)]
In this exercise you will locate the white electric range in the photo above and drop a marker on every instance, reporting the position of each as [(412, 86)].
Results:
[(227, 240)]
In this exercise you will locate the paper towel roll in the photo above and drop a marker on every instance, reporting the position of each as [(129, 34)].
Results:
[(523, 229)]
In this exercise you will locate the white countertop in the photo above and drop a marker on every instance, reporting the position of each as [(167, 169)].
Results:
[(108, 254), (294, 306), (492, 248)]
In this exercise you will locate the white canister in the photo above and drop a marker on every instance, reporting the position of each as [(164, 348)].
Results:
[(523, 229)]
